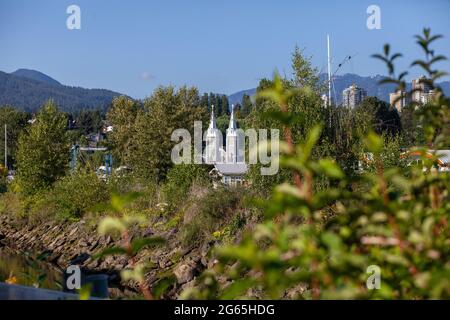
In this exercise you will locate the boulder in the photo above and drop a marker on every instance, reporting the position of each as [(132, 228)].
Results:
[(185, 272)]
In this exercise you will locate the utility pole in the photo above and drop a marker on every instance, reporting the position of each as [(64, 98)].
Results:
[(6, 149), (329, 71), (329, 79)]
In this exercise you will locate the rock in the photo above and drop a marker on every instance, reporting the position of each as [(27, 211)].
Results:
[(71, 233), (295, 292), (188, 285), (212, 263), (79, 258), (185, 272)]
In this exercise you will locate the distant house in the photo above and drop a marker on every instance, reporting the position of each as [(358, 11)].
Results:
[(414, 157), (443, 158), (229, 167)]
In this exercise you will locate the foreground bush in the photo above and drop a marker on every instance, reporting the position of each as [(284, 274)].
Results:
[(388, 240)]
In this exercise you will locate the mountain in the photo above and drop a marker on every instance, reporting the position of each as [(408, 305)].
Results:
[(29, 89), (35, 75), (370, 84), (236, 98)]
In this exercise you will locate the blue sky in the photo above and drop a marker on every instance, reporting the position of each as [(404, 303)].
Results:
[(219, 46)]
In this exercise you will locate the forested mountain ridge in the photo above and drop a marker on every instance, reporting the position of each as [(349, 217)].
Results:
[(29, 89), (35, 75)]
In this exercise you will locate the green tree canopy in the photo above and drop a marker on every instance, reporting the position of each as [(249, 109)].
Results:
[(15, 120), (43, 150), (166, 110), (122, 116)]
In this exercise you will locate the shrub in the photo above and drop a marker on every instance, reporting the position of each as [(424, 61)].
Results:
[(71, 196), (207, 211), (10, 204), (179, 180)]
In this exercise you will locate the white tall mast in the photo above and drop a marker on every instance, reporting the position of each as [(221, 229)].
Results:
[(329, 71), (6, 149)]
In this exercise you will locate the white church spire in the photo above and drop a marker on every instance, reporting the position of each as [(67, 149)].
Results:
[(231, 148), (212, 122), (232, 124), (213, 141)]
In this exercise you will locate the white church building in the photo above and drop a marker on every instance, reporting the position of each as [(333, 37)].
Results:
[(229, 162)]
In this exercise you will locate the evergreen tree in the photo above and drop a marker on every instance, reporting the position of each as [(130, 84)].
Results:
[(219, 105), (204, 101), (212, 101), (43, 150), (385, 119), (246, 105), (225, 104), (88, 121), (412, 132)]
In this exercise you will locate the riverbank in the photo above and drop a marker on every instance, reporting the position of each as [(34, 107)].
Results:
[(66, 243)]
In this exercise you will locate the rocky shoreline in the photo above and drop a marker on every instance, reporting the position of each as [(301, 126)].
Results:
[(64, 244)]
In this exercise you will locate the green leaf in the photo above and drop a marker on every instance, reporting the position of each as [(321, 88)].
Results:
[(311, 140), (111, 225), (85, 291), (118, 202), (331, 168), (110, 252), (373, 142), (138, 244), (237, 288), (331, 240), (162, 285), (136, 274)]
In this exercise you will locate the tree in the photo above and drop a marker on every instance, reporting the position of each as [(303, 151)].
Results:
[(122, 116), (412, 132), (43, 150), (15, 120), (385, 119), (212, 101), (204, 102), (88, 121), (246, 105), (165, 111), (304, 74), (306, 110), (225, 105)]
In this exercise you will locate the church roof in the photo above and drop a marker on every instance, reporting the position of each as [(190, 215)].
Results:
[(237, 168)]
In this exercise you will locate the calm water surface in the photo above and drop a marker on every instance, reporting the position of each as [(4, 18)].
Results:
[(25, 270)]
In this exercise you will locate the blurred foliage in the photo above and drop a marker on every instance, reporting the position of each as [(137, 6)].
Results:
[(319, 244), (121, 226)]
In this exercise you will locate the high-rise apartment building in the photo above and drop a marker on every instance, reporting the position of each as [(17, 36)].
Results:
[(422, 92), (353, 96), (399, 99)]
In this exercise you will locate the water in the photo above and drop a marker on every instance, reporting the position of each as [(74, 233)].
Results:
[(20, 268)]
